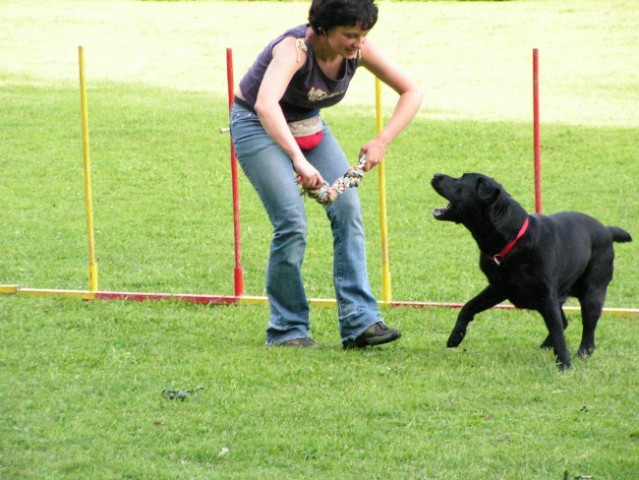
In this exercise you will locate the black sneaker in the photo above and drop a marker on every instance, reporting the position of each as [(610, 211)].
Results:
[(378, 334), (300, 343)]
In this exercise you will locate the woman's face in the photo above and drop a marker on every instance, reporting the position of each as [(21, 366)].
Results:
[(347, 40)]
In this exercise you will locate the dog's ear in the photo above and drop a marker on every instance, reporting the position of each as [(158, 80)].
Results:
[(487, 191)]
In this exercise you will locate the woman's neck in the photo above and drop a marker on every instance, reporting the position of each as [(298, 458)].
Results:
[(321, 48)]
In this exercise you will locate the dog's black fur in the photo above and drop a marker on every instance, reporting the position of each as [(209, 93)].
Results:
[(560, 255)]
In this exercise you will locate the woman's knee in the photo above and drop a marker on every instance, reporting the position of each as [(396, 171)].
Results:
[(291, 228), (289, 241), (347, 206)]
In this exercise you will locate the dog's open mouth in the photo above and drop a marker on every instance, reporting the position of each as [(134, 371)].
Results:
[(441, 211)]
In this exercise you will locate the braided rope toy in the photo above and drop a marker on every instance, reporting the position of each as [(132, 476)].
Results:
[(328, 193)]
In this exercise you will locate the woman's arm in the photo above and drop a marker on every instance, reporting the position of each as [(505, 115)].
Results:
[(287, 60), (408, 104)]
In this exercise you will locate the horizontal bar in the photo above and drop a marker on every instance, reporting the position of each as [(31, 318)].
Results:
[(247, 299), (44, 292), (8, 288), (192, 298)]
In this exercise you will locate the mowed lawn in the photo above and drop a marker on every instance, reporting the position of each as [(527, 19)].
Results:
[(171, 390)]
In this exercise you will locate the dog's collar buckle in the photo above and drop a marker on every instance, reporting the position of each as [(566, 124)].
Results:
[(501, 255)]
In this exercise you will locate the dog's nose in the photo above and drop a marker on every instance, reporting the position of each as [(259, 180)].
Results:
[(436, 178)]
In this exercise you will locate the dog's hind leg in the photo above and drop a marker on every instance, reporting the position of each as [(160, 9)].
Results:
[(487, 298), (592, 295), (591, 307)]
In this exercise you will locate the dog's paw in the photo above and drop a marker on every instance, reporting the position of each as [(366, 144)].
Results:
[(455, 338), (564, 366), (585, 351)]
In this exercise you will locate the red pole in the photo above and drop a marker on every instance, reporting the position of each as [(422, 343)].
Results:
[(238, 273), (536, 131)]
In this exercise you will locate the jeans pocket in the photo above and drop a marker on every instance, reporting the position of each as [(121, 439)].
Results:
[(241, 123)]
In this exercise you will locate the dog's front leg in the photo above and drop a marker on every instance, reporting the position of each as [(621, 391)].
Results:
[(487, 298), (555, 323), (547, 343)]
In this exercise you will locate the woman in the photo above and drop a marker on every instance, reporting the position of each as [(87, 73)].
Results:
[(307, 68)]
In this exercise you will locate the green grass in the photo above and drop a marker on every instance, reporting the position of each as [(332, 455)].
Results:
[(81, 382)]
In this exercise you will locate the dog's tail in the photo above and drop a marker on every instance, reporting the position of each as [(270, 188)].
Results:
[(619, 235)]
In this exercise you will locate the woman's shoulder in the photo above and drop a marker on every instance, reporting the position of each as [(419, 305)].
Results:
[(293, 41), (295, 32), (299, 31)]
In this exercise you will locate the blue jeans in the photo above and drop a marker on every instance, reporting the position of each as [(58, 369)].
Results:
[(271, 173)]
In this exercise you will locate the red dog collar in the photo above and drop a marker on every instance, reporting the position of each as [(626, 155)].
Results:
[(501, 255)]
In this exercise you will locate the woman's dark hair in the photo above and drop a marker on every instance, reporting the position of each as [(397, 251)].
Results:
[(327, 14)]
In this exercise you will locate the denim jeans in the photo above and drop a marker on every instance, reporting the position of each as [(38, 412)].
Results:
[(271, 173)]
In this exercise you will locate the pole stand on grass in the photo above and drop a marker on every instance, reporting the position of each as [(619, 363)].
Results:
[(536, 131), (93, 266), (383, 219), (238, 272)]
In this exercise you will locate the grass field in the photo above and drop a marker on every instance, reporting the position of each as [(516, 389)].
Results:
[(81, 383)]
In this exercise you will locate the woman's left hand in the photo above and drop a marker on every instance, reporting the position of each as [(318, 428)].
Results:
[(374, 151)]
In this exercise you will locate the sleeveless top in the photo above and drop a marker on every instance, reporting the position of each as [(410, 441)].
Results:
[(309, 90)]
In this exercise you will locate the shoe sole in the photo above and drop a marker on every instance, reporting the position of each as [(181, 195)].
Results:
[(298, 344), (371, 342)]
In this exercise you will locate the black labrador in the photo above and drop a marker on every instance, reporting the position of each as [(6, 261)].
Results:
[(534, 261)]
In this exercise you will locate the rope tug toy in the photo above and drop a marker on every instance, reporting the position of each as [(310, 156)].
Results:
[(328, 193)]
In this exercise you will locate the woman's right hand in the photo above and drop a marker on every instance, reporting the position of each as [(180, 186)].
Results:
[(307, 174)]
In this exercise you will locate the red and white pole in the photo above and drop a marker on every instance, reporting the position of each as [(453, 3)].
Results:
[(238, 272), (536, 131)]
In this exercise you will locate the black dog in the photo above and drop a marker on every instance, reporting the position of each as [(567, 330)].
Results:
[(535, 261)]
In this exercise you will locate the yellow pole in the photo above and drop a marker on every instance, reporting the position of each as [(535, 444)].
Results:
[(93, 266), (386, 278)]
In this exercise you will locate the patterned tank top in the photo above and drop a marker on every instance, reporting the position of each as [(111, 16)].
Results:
[(309, 90)]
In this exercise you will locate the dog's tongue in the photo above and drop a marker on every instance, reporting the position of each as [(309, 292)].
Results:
[(438, 212)]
